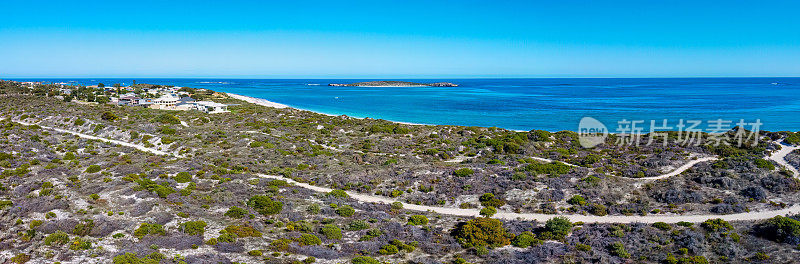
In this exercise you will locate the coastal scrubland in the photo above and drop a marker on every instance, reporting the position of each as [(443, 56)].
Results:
[(202, 197)]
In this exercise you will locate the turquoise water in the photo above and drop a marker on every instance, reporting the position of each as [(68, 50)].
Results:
[(525, 104)]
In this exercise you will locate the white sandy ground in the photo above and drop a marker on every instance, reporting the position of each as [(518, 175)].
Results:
[(778, 156), (257, 101), (544, 217)]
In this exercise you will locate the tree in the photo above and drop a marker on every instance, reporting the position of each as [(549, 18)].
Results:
[(117, 86), (101, 85)]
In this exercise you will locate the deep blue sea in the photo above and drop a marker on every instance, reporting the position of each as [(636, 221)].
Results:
[(525, 104)]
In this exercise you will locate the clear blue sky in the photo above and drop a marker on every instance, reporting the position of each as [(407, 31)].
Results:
[(376, 39)]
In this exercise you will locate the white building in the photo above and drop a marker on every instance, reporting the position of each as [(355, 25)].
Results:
[(166, 101), (210, 107)]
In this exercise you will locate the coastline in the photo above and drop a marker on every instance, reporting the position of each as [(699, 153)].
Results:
[(268, 103)]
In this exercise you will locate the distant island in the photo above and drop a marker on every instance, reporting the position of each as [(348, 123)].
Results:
[(395, 84)]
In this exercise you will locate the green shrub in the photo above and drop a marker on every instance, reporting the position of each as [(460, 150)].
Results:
[(93, 169), (552, 169), (20, 258), (255, 253), (388, 250), (94, 196), (583, 247), (308, 240), (598, 209), (482, 232), (183, 177), (331, 231), (80, 244), (84, 227), (264, 205), (167, 119), (149, 229), (364, 260), (131, 258), (338, 193), (662, 226), (194, 228), (242, 231), (525, 239), (577, 200), (236, 212), (488, 211), (463, 172), (358, 225), (396, 205), (488, 199), (780, 229), (557, 228), (764, 164), (417, 220), (35, 223), (56, 239), (345, 211), (108, 116), (716, 225), (618, 249)]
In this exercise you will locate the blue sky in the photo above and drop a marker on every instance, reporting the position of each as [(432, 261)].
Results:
[(378, 39)]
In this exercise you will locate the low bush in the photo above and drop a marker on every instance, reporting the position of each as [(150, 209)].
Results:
[(463, 172), (149, 229), (264, 205), (345, 211), (482, 232), (194, 228), (236, 212), (331, 231), (308, 240), (417, 220)]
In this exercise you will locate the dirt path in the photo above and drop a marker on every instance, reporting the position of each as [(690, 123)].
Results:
[(544, 217), (780, 157), (112, 141), (680, 169)]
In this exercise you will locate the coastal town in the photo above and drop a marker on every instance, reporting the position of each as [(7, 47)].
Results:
[(135, 95)]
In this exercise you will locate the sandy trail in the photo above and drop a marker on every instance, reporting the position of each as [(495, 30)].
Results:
[(544, 217), (680, 169), (780, 156), (112, 141)]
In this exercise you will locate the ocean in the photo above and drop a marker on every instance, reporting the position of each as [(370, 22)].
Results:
[(551, 104)]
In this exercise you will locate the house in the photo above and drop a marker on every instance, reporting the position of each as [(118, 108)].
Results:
[(210, 107), (129, 100), (166, 101), (185, 103), (145, 102)]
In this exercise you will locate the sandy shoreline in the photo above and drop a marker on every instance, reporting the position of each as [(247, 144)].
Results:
[(267, 103)]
